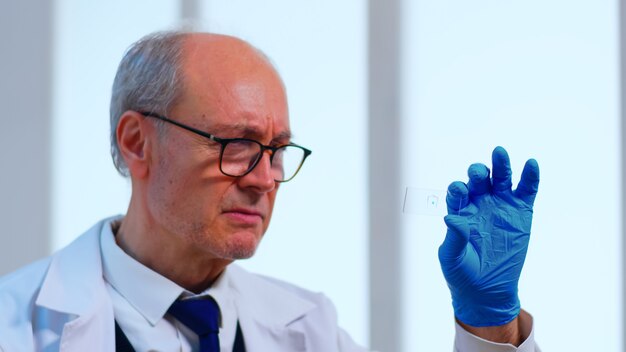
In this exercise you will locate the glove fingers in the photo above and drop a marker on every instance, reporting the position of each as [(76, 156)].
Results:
[(501, 170), (457, 197), (457, 237), (529, 182), (479, 182)]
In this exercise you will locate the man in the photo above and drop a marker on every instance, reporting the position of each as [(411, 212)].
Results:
[(200, 125)]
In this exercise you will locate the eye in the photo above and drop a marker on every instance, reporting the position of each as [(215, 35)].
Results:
[(240, 151)]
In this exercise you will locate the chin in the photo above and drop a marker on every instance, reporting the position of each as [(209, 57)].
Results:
[(242, 246), (241, 252)]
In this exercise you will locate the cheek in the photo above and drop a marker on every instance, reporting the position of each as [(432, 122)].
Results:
[(186, 187), (198, 196), (165, 193)]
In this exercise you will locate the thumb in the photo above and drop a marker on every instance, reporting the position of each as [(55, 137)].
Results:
[(457, 237)]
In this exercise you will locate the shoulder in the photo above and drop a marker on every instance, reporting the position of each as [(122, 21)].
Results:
[(238, 274), (271, 289), (23, 282), (272, 302), (20, 288), (36, 300), (314, 296), (18, 292)]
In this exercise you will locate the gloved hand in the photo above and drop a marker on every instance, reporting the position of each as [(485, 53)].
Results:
[(487, 239)]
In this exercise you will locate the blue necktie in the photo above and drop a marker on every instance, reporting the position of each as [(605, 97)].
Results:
[(202, 317)]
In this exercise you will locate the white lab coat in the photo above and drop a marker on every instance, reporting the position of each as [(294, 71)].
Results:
[(60, 303)]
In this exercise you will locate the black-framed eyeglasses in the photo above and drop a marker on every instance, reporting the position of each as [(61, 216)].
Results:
[(239, 156)]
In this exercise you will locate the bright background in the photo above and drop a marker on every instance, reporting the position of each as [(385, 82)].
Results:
[(540, 78)]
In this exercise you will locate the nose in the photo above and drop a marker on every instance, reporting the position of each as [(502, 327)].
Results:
[(261, 178)]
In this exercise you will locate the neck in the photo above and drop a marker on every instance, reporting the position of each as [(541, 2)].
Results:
[(167, 253)]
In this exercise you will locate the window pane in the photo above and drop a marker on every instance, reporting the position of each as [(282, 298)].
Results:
[(90, 39)]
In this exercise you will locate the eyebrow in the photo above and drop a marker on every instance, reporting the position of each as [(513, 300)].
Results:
[(283, 136), (246, 131)]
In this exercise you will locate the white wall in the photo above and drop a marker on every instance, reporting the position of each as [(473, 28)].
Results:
[(25, 86), (541, 79)]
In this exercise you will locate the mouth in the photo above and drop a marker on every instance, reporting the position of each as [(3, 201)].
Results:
[(244, 215)]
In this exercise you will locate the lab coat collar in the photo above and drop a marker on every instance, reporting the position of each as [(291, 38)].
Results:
[(74, 287), (74, 281)]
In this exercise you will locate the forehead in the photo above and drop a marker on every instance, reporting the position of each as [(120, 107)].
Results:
[(230, 87)]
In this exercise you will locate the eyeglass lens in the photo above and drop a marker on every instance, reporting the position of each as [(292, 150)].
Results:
[(239, 157)]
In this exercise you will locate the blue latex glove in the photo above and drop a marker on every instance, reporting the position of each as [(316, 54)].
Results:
[(487, 239)]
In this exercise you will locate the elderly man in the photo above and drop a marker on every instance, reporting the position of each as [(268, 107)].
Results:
[(200, 124)]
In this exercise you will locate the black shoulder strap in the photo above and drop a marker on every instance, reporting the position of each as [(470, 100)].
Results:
[(239, 346), (121, 341)]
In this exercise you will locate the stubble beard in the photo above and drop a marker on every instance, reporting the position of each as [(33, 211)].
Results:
[(229, 246)]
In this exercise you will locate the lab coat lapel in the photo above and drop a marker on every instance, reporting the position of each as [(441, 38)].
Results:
[(266, 312), (74, 287)]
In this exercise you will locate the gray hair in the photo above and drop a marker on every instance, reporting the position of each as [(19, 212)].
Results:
[(149, 78)]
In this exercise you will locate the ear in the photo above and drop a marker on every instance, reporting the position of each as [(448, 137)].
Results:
[(132, 138)]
